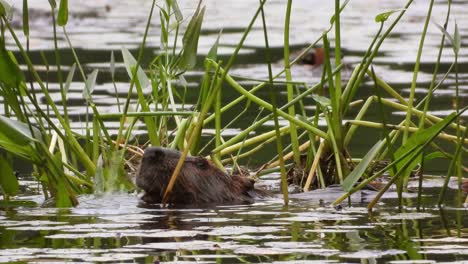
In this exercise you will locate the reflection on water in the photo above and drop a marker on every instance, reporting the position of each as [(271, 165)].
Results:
[(116, 229)]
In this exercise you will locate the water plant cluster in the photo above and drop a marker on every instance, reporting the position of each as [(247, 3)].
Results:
[(67, 164)]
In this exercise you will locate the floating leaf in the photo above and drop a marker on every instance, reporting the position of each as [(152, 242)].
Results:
[(63, 13)]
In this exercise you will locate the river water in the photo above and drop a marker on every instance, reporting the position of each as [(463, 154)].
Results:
[(116, 228)]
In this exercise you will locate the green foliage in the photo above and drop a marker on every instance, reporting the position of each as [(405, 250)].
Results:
[(130, 63), (190, 40), (455, 40), (418, 140), (16, 138), (5, 8), (63, 13), (8, 181), (213, 53), (89, 86), (177, 13), (327, 151), (11, 74), (361, 168), (25, 18), (111, 175), (382, 17)]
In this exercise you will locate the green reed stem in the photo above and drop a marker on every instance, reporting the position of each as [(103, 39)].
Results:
[(208, 104), (416, 70), (70, 139), (59, 70), (279, 142), (269, 107), (289, 86), (145, 114), (338, 54), (217, 106), (134, 77), (367, 60), (255, 125)]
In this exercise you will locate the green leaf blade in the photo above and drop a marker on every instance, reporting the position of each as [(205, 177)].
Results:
[(8, 181), (360, 169), (89, 86), (190, 40), (418, 139), (63, 13), (130, 63)]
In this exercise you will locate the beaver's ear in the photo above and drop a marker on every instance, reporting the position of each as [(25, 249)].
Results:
[(154, 154), (202, 163)]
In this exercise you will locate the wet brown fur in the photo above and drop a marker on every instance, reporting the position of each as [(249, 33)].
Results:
[(199, 182)]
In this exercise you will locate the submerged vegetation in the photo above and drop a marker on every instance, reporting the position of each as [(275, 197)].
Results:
[(68, 164)]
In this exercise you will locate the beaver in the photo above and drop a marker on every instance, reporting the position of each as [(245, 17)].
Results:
[(200, 182)]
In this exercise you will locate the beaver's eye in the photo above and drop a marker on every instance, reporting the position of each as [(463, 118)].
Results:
[(202, 164)]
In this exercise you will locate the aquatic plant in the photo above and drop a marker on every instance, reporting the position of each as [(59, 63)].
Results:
[(59, 155)]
